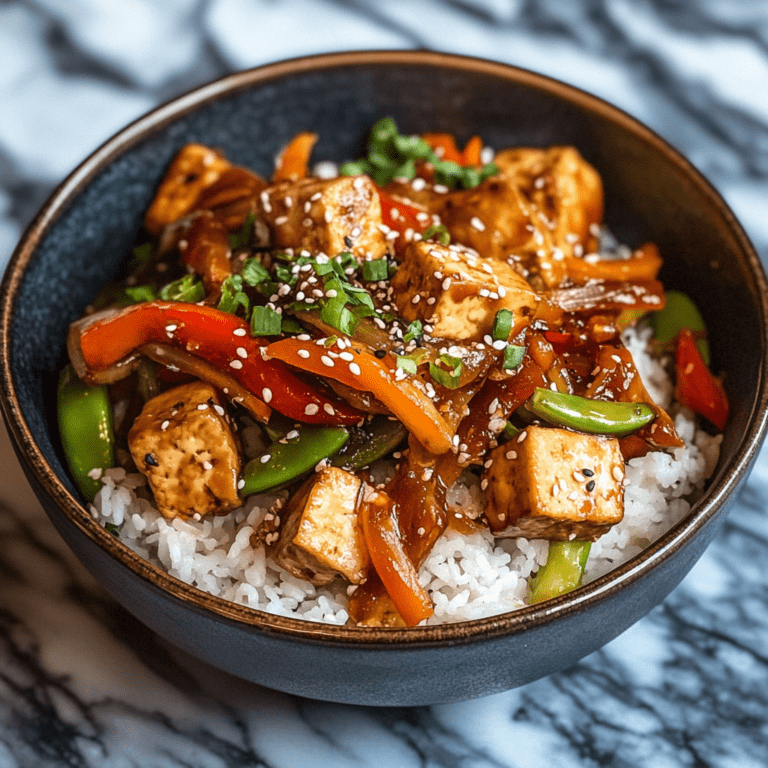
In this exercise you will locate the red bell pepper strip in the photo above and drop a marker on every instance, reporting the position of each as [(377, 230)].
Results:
[(696, 387), (218, 338), (444, 145), (400, 217), (393, 566), (364, 372)]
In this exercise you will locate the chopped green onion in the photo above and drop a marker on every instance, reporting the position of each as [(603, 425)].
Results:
[(437, 232), (513, 356), (409, 363), (414, 332), (502, 325), (232, 296), (185, 289), (355, 168), (254, 273), (335, 313), (330, 341), (375, 270), (243, 237), (265, 322), (112, 528), (449, 379)]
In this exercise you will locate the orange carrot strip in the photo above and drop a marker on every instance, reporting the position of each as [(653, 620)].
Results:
[(471, 154), (644, 264), (293, 163), (367, 373)]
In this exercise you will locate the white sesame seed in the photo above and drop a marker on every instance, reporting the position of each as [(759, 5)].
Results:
[(303, 353), (280, 220), (266, 394), (236, 364), (573, 495), (618, 475), (484, 484), (165, 425), (477, 224), (202, 407), (416, 299), (265, 458), (328, 408), (578, 477), (347, 357), (354, 368), (326, 361), (522, 437), (241, 352), (556, 490), (240, 484), (171, 328), (239, 332), (311, 409), (207, 465), (511, 455)]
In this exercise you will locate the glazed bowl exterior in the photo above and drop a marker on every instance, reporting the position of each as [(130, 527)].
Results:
[(83, 235)]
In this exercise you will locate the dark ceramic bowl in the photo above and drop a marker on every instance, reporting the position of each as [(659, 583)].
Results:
[(81, 238)]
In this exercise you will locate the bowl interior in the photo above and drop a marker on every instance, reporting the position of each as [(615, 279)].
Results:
[(85, 235)]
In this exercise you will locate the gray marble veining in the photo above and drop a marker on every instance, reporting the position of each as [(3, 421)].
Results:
[(83, 684)]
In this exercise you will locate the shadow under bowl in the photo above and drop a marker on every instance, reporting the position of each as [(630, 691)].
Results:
[(83, 235)]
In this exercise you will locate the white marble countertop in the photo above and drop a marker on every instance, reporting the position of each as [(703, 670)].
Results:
[(83, 684)]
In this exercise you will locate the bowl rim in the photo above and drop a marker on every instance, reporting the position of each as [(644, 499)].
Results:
[(520, 620)]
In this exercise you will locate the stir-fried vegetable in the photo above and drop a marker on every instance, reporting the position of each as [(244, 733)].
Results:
[(85, 426), (596, 417), (562, 572)]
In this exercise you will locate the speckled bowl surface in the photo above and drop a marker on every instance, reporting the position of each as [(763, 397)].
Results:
[(84, 233)]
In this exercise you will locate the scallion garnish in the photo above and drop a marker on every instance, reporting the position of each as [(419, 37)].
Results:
[(513, 356), (502, 325), (135, 294), (112, 528), (510, 430), (438, 232), (375, 270), (290, 325), (186, 289), (265, 322), (409, 363), (448, 378), (414, 332), (254, 273), (232, 296)]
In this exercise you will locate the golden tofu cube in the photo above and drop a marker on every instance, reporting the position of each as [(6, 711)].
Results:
[(555, 484), (458, 292), (321, 537), (184, 445), (326, 216)]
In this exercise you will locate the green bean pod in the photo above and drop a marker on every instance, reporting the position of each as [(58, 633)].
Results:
[(285, 461), (86, 429), (595, 417), (562, 572)]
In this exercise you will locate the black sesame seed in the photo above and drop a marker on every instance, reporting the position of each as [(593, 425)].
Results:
[(348, 241), (151, 460), (380, 353), (590, 486), (587, 472)]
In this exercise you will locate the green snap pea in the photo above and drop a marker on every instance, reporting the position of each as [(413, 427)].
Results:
[(285, 461), (680, 312), (562, 572), (370, 443), (86, 429), (596, 417)]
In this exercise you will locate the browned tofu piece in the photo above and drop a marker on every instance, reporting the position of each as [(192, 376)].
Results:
[(182, 442), (539, 209), (458, 292), (326, 216), (321, 537), (194, 169), (555, 484)]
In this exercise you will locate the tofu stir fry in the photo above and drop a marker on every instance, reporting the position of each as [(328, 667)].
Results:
[(358, 343)]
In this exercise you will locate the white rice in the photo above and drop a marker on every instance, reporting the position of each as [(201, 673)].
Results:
[(468, 576)]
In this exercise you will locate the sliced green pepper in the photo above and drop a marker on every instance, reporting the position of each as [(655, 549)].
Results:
[(370, 444), (285, 461), (596, 417), (680, 312), (562, 572), (85, 426)]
